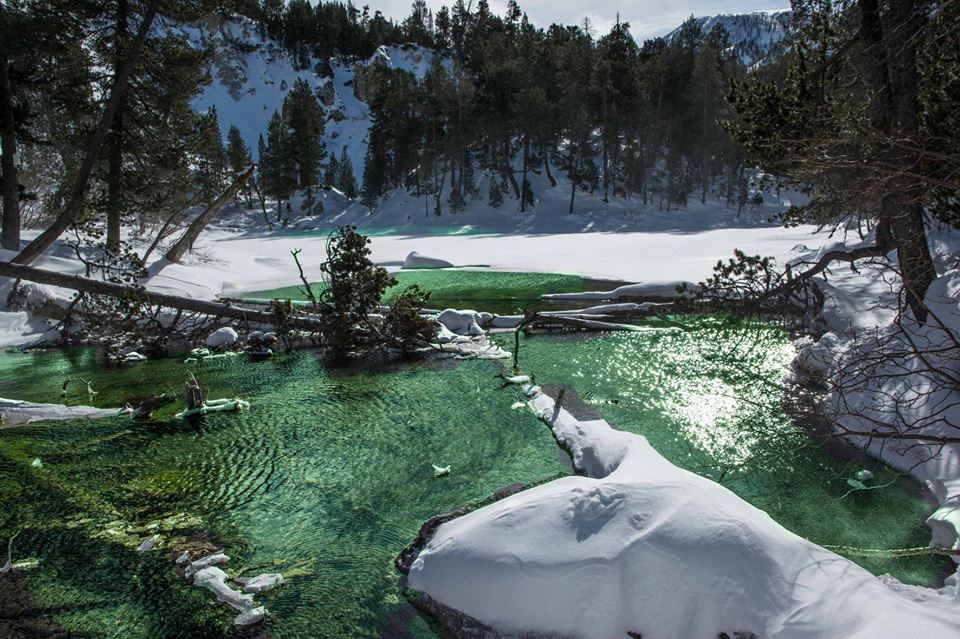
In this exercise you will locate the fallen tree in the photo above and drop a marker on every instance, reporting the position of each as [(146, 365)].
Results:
[(142, 295)]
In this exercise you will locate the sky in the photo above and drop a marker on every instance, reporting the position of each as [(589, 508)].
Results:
[(647, 18)]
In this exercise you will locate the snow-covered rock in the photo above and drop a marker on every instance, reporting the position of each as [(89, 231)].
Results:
[(418, 260), (260, 583), (640, 546), (214, 580), (463, 322), (225, 336)]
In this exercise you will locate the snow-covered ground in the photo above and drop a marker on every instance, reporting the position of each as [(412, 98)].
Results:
[(663, 249), (637, 545), (251, 75)]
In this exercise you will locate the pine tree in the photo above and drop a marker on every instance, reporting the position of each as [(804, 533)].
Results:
[(304, 117), (211, 158), (346, 182), (238, 156), (375, 170), (331, 175), (278, 168)]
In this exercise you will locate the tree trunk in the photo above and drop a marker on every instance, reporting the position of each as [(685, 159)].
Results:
[(524, 184), (10, 237), (606, 164), (142, 295), (193, 231), (508, 170), (546, 164), (891, 73), (115, 139), (43, 241)]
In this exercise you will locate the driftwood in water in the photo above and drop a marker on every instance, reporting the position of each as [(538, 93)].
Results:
[(193, 231), (142, 295), (195, 395)]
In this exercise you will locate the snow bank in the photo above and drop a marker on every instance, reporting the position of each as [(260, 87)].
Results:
[(418, 260), (641, 546), (18, 328), (14, 412)]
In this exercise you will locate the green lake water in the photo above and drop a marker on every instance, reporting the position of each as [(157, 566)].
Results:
[(329, 473), (706, 394), (326, 473), (505, 293)]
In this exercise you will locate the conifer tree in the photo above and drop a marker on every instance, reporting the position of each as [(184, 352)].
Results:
[(304, 117), (331, 175), (238, 156), (211, 158), (346, 181), (278, 168)]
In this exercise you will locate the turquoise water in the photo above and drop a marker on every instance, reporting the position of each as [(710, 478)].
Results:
[(327, 474), (501, 292), (706, 394)]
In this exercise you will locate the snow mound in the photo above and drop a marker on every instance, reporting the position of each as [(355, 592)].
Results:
[(641, 546), (418, 260), (463, 322), (14, 412), (225, 336)]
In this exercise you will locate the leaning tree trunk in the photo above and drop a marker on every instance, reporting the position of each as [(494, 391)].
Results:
[(78, 194), (185, 243), (115, 139), (10, 236)]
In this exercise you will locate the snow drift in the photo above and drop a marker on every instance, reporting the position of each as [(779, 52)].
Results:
[(641, 546)]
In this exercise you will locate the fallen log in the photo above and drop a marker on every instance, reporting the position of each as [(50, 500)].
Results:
[(140, 294), (185, 243), (581, 323)]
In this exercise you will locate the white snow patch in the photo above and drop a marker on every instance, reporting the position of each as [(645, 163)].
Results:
[(641, 546), (225, 336), (418, 260), (14, 412)]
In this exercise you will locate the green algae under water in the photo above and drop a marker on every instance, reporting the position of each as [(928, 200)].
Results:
[(502, 292), (707, 395), (330, 473), (326, 473)]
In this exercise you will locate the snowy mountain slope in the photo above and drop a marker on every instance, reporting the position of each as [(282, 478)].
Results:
[(753, 36), (251, 75)]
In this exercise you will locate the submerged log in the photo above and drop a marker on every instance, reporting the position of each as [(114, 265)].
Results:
[(140, 294)]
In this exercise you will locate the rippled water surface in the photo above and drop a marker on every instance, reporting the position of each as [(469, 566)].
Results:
[(706, 393), (327, 475)]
